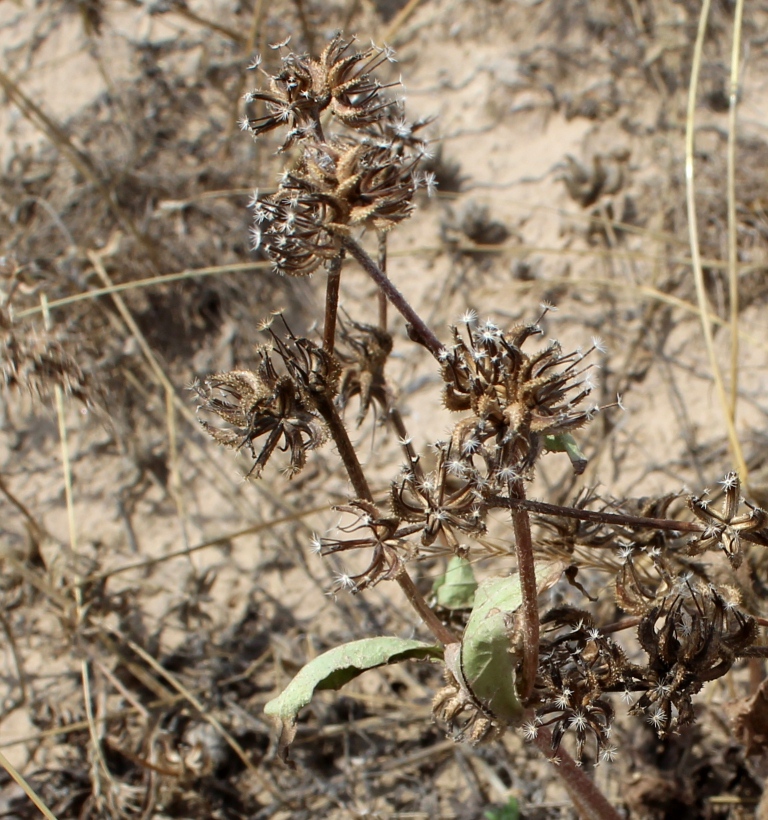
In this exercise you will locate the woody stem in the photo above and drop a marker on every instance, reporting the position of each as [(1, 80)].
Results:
[(588, 800), (330, 414), (530, 608), (332, 301)]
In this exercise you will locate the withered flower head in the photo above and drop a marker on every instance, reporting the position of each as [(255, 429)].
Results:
[(339, 79), (724, 527), (261, 403), (377, 533), (38, 361), (335, 187), (442, 503), (463, 715), (367, 184), (293, 227), (363, 178), (315, 372), (644, 577), (578, 665), (363, 361), (515, 398), (693, 637)]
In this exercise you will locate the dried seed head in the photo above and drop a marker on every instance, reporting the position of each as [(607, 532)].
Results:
[(292, 228), (365, 179), (724, 527), (376, 533), (443, 504), (363, 354), (335, 186), (689, 639), (261, 403), (456, 708), (340, 80), (578, 665), (515, 398)]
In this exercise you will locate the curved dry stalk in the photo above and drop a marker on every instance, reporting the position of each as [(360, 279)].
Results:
[(733, 270), (698, 271), (26, 788)]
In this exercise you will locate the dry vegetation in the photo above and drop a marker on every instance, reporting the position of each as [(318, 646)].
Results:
[(151, 601)]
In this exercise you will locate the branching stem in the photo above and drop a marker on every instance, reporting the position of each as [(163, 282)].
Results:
[(416, 600), (419, 330), (383, 268), (622, 519), (349, 458)]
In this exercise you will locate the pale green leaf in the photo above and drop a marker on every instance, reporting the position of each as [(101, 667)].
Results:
[(489, 659), (333, 669), (456, 589)]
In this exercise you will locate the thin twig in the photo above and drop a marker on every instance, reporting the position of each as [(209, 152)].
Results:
[(27, 789), (597, 517), (418, 327)]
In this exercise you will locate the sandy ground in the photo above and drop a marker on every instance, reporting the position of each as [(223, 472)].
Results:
[(560, 125)]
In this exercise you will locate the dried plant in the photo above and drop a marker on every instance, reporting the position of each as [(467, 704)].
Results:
[(555, 674), (34, 359)]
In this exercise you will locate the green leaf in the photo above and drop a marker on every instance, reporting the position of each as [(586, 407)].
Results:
[(456, 589), (333, 669), (566, 443), (509, 811), (488, 655)]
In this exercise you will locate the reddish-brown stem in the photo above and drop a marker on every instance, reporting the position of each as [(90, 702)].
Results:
[(349, 458), (416, 600), (332, 302), (530, 608), (620, 626), (587, 799), (622, 519), (383, 268), (419, 331)]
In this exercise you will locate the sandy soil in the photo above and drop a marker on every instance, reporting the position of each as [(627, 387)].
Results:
[(560, 131)]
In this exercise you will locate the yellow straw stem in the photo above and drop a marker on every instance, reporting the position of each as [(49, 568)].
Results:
[(698, 273)]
